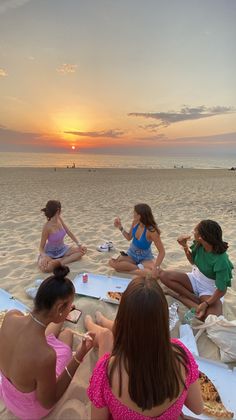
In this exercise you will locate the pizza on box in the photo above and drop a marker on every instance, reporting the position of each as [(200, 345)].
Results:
[(115, 296), (213, 405)]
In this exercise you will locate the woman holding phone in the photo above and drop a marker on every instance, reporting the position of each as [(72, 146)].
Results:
[(36, 362)]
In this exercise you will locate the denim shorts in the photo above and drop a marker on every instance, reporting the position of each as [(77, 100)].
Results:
[(138, 255)]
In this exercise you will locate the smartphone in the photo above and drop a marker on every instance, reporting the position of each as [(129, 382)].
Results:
[(74, 315)]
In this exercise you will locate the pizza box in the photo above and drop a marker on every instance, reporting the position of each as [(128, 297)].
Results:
[(8, 302), (98, 285), (224, 380)]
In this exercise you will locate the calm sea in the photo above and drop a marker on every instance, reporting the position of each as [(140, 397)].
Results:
[(81, 160)]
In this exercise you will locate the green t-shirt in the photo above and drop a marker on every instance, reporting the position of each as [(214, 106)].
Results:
[(217, 267)]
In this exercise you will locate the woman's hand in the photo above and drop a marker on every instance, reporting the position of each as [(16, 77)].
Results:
[(86, 345), (182, 240), (117, 223), (44, 261), (82, 249), (201, 310), (156, 272)]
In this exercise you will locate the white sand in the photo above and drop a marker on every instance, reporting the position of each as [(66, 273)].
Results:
[(180, 198)]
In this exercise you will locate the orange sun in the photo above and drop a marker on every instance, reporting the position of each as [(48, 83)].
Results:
[(73, 147)]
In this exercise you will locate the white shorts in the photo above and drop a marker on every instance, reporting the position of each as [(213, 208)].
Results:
[(201, 284)]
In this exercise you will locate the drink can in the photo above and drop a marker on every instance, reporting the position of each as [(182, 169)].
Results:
[(85, 278)]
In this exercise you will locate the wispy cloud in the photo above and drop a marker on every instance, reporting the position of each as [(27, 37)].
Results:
[(214, 139), (11, 4), (185, 114), (105, 133), (3, 72), (67, 68), (151, 127)]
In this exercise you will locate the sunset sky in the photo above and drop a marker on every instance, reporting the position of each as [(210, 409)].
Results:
[(118, 76)]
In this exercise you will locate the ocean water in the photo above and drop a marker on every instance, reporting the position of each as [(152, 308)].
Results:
[(82, 160)]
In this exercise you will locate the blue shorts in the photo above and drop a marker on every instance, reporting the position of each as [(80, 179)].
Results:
[(55, 252), (138, 255)]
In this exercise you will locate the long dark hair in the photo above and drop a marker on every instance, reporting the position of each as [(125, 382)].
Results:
[(54, 287), (142, 345), (51, 208), (146, 216), (211, 232)]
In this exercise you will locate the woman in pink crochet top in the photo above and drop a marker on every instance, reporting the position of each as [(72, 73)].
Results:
[(143, 373)]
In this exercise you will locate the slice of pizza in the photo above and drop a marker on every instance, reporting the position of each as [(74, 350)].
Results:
[(213, 405), (116, 296)]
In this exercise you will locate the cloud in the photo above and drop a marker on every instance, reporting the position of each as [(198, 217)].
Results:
[(201, 141), (151, 127), (67, 68), (185, 114), (11, 4), (18, 141), (106, 133), (3, 72)]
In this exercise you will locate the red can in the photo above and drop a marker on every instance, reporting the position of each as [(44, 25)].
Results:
[(85, 278)]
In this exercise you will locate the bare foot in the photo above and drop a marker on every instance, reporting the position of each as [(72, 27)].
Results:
[(99, 318)]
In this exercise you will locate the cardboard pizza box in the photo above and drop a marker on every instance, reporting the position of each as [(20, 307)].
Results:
[(224, 380)]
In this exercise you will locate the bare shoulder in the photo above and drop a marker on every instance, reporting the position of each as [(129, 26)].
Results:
[(46, 227), (153, 233), (13, 313)]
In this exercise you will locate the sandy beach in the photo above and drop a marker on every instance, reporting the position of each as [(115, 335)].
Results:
[(91, 199)]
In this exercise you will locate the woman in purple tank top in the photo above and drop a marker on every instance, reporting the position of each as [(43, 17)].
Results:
[(53, 250), (143, 231)]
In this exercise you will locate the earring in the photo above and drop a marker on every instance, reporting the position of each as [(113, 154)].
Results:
[(60, 313)]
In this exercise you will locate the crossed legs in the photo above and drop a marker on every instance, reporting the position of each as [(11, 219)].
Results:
[(73, 254), (125, 264)]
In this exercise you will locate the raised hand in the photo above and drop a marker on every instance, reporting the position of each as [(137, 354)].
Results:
[(182, 240), (117, 223)]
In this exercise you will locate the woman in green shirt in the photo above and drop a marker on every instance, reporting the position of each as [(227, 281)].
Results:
[(203, 288)]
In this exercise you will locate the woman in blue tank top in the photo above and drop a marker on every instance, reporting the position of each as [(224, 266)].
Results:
[(139, 257)]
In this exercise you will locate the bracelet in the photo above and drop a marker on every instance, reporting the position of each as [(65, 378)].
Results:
[(68, 373), (208, 304), (77, 360)]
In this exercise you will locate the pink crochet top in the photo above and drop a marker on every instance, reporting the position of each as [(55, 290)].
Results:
[(101, 395)]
